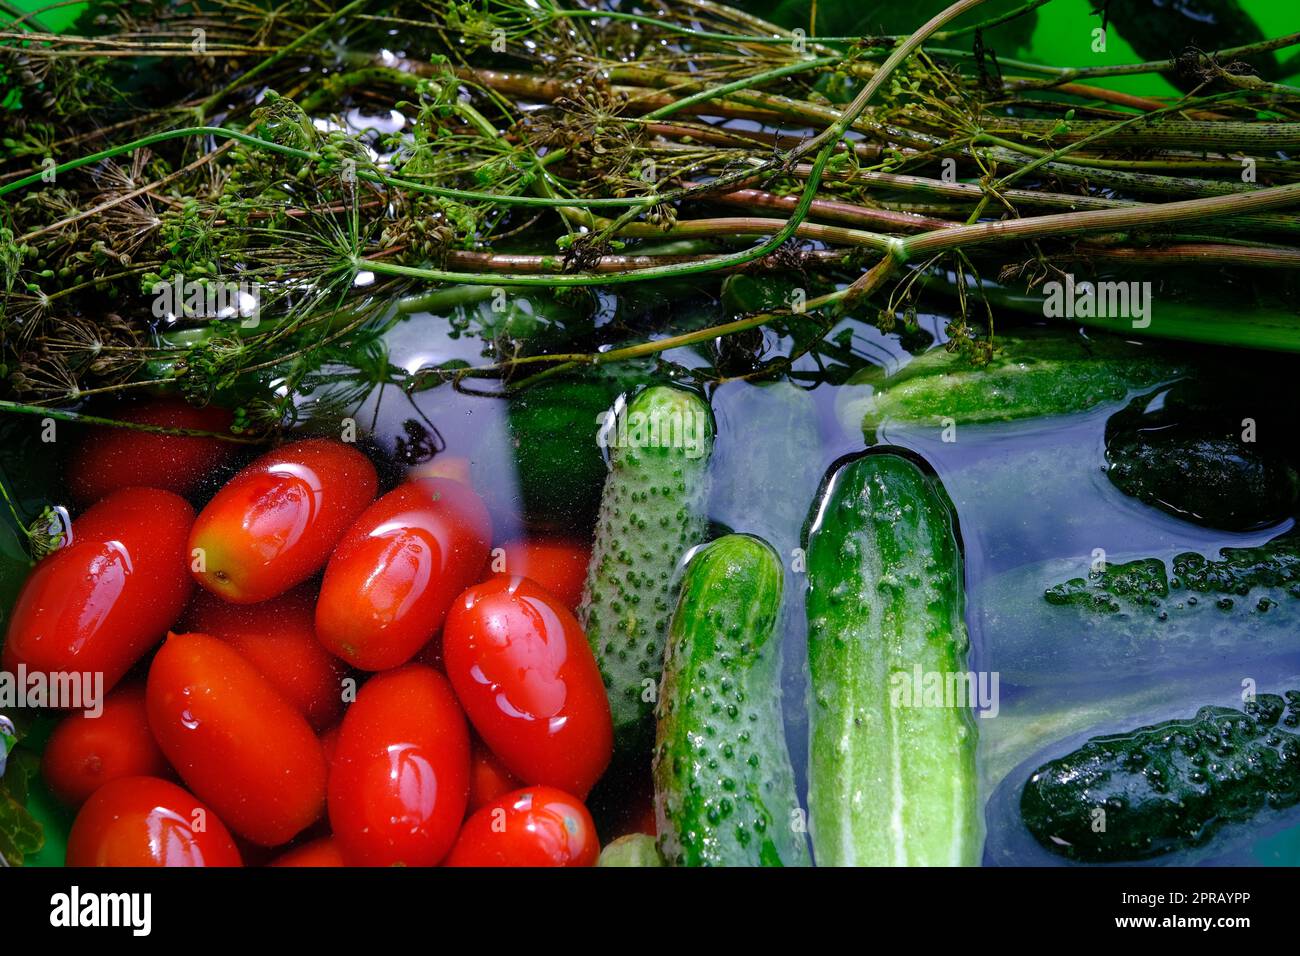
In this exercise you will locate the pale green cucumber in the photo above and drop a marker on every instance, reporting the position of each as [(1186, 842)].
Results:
[(1032, 373), (1061, 622), (635, 849), (892, 778), (652, 511), (724, 787)]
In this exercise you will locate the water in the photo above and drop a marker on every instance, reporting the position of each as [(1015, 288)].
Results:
[(1025, 492)]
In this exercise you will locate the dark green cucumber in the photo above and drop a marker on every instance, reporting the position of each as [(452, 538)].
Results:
[(1186, 452), (1033, 373), (1169, 786), (724, 787), (891, 779), (651, 512), (1060, 622)]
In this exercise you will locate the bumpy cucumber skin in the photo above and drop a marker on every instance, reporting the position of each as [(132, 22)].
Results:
[(1167, 787), (652, 512), (1031, 375), (888, 785), (1210, 479), (1158, 615), (724, 787)]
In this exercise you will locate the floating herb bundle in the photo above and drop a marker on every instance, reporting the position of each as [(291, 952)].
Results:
[(315, 164)]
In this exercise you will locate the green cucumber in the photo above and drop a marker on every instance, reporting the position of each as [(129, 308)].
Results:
[(1194, 453), (891, 780), (651, 512), (1060, 622), (1032, 373), (553, 428), (1169, 786), (724, 787), (635, 849)]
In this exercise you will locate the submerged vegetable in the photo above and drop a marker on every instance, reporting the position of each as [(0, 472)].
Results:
[(1207, 465), (634, 849), (1046, 623), (724, 787), (651, 513), (1031, 374), (1169, 786), (98, 604), (275, 523), (553, 430), (396, 571), (891, 776)]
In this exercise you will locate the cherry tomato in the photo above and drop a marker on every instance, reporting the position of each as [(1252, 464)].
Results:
[(85, 752), (111, 458), (98, 604), (322, 852), (535, 826), (557, 564), (488, 777), (529, 683), (144, 821), (400, 778), (278, 637), (397, 570), (274, 524), (234, 740)]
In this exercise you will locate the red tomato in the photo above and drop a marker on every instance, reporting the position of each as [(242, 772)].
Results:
[(100, 603), (557, 564), (397, 570), (111, 458), (234, 740), (400, 777), (278, 637), (529, 683), (144, 821), (488, 777), (84, 752), (322, 852), (274, 524), (535, 826)]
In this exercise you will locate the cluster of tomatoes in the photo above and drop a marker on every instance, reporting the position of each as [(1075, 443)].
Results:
[(473, 722)]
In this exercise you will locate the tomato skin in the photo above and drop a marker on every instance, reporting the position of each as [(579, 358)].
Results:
[(399, 782), (101, 602), (144, 821), (235, 741), (84, 753), (274, 524), (112, 458), (529, 683), (535, 826), (488, 777), (278, 637), (557, 564), (322, 852), (394, 574)]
